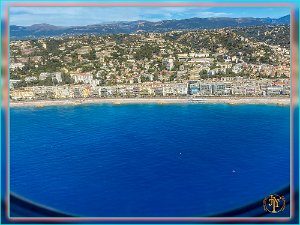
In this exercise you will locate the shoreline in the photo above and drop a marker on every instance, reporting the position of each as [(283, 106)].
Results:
[(284, 101)]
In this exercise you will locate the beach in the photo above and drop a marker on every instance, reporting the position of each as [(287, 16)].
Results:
[(119, 101)]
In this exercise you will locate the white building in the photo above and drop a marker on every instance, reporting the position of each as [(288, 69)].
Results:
[(54, 76), (169, 63), (14, 66), (30, 79), (86, 78)]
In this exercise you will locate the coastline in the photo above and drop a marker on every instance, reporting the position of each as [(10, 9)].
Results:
[(284, 101)]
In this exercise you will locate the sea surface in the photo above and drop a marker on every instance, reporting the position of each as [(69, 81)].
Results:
[(149, 160)]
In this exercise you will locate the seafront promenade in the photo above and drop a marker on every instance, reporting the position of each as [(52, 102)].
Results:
[(119, 101)]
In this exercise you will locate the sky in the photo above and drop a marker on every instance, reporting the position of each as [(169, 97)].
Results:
[(77, 16)]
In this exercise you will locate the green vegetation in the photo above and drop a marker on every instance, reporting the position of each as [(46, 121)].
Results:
[(146, 52)]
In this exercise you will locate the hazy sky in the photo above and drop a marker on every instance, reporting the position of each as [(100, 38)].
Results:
[(72, 16)]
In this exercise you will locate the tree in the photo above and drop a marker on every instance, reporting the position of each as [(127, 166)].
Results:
[(146, 51), (155, 77), (22, 83), (15, 76), (173, 76), (92, 55), (48, 81), (55, 82)]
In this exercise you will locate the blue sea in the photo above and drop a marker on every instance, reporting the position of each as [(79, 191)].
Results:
[(149, 160)]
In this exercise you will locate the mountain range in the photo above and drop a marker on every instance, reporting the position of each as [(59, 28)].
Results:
[(47, 30)]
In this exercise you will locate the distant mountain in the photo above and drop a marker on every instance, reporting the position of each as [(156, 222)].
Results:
[(44, 27), (283, 20), (47, 30)]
